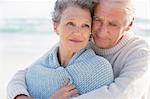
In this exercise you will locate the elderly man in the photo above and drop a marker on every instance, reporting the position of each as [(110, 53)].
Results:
[(127, 53)]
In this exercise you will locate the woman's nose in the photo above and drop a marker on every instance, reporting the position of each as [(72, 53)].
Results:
[(77, 30)]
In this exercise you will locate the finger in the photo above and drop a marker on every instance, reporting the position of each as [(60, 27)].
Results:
[(67, 88), (76, 95), (70, 87), (72, 93)]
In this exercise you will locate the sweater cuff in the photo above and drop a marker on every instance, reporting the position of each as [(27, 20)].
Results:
[(15, 92)]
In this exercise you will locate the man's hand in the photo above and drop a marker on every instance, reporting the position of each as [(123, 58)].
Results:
[(23, 97), (67, 91)]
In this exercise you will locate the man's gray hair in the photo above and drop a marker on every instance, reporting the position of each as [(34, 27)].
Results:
[(125, 5), (61, 5)]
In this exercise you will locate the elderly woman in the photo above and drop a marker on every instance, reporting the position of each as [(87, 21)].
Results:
[(70, 59)]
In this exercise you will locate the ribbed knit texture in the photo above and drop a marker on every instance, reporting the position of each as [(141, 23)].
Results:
[(86, 71), (132, 49), (17, 86)]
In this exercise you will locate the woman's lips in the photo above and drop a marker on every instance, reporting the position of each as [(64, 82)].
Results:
[(75, 41)]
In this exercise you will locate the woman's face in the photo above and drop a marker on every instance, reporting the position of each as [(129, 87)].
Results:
[(74, 28)]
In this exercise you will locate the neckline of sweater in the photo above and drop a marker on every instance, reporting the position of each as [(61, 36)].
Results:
[(127, 36)]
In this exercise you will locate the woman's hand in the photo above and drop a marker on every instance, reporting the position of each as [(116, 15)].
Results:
[(67, 91)]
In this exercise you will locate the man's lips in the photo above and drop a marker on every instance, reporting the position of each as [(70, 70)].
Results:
[(101, 39)]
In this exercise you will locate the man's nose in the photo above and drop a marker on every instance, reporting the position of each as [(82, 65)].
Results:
[(102, 30)]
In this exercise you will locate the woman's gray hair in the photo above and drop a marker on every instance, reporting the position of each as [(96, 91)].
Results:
[(61, 5)]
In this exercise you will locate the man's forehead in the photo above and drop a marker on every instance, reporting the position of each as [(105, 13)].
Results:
[(110, 18), (108, 11)]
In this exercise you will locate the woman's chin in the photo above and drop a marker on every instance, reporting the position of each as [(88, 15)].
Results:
[(75, 49)]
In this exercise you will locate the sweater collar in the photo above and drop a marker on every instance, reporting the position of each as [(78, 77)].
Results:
[(127, 36), (53, 57)]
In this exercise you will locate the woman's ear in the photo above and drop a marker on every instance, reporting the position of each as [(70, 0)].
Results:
[(130, 24), (55, 27)]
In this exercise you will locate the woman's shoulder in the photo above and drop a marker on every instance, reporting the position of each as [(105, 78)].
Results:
[(89, 54)]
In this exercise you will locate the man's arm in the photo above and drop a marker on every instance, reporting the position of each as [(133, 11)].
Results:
[(131, 83), (17, 85)]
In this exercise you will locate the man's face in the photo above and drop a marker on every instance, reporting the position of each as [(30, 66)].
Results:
[(108, 26)]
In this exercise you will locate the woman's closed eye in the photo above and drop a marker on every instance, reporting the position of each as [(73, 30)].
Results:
[(70, 24), (85, 26)]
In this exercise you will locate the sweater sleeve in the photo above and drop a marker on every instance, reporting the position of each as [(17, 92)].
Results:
[(131, 83), (17, 85)]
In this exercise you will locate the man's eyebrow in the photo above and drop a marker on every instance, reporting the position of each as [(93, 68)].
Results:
[(117, 22)]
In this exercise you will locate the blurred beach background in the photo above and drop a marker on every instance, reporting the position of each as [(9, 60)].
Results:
[(26, 33)]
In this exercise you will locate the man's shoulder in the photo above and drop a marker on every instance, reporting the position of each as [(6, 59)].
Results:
[(138, 43), (137, 47)]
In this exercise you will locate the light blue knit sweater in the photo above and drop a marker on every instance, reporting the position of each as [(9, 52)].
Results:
[(86, 70)]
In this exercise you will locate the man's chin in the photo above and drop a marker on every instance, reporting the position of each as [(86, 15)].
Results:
[(102, 46)]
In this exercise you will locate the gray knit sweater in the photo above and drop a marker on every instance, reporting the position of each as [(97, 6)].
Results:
[(86, 70)]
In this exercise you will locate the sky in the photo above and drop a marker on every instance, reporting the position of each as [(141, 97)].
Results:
[(43, 8)]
